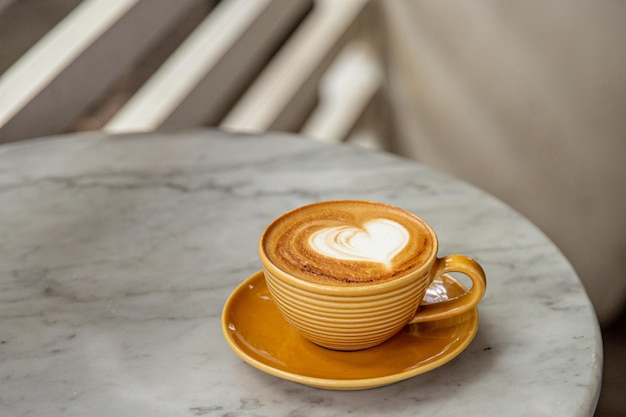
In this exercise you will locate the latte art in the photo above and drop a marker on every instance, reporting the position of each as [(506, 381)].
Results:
[(379, 240), (348, 242)]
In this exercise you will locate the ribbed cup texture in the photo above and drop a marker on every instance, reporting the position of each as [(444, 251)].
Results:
[(345, 321)]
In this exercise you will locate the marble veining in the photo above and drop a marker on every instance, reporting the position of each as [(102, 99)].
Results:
[(117, 255)]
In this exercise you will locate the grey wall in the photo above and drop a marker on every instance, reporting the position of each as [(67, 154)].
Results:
[(526, 99)]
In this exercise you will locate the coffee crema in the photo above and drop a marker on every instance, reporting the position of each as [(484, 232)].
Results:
[(348, 242)]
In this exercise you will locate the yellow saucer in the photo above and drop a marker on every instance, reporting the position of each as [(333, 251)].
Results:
[(255, 330)]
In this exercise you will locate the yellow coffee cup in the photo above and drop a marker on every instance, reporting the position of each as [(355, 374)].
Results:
[(350, 274)]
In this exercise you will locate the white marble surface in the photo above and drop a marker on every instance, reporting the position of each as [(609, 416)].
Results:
[(118, 253)]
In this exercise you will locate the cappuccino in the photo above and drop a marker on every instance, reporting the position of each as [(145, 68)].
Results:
[(348, 242)]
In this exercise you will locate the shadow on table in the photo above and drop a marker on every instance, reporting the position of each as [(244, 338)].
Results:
[(612, 399)]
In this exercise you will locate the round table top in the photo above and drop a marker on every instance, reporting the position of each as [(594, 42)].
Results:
[(119, 252)]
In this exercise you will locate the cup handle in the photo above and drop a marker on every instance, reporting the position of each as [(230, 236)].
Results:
[(457, 305)]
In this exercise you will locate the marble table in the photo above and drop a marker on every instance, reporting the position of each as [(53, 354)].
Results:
[(117, 255)]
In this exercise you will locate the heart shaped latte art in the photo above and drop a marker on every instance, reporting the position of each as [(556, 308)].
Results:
[(379, 240)]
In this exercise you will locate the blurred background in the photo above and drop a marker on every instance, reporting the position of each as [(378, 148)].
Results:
[(526, 100)]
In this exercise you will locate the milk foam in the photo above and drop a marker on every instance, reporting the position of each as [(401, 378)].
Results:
[(379, 240)]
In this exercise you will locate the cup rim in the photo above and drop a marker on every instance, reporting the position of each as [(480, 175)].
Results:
[(357, 289)]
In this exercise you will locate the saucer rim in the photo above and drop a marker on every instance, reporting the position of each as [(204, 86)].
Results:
[(342, 384)]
